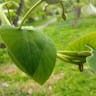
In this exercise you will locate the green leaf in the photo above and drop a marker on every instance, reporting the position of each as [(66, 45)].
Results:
[(32, 51), (86, 43), (91, 60), (80, 44)]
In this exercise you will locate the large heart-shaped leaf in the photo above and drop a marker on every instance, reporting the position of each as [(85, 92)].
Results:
[(32, 51), (80, 44)]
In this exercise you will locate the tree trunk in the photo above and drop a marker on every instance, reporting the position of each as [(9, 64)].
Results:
[(18, 13), (77, 14)]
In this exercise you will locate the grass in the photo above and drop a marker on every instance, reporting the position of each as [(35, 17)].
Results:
[(66, 79), (63, 33)]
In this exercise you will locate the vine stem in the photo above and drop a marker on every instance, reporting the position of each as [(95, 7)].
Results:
[(28, 13)]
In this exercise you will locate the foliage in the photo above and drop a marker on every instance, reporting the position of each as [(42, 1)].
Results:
[(81, 43), (3, 56), (41, 50), (38, 44), (66, 80)]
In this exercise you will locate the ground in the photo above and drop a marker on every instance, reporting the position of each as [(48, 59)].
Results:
[(66, 79)]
